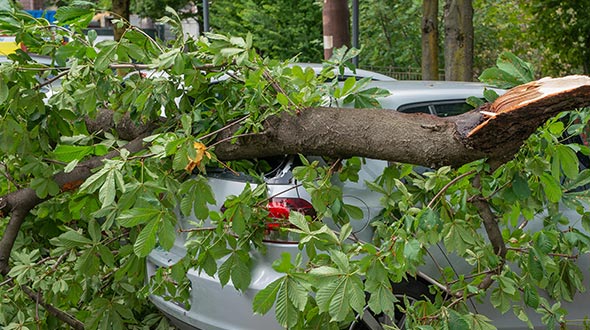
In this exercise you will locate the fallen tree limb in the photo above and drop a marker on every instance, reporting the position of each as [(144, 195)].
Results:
[(19, 203), (416, 138), (376, 133)]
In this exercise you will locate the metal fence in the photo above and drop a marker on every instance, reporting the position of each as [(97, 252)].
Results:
[(401, 73)]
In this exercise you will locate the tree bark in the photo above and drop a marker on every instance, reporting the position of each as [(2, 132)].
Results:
[(121, 10), (336, 17), (419, 139), (430, 40), (458, 22)]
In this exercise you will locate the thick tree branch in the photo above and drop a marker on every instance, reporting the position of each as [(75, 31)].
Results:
[(19, 203), (61, 315), (493, 231), (376, 133), (416, 138)]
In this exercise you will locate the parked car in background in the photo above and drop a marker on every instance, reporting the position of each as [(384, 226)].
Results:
[(215, 307)]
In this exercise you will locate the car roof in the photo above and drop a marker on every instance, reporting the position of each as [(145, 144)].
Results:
[(358, 73), (405, 92)]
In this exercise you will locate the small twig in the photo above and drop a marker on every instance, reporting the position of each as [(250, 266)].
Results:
[(192, 230), (59, 261), (8, 176), (447, 186), (68, 31), (234, 137), (559, 255), (52, 79), (61, 315), (279, 89), (233, 123)]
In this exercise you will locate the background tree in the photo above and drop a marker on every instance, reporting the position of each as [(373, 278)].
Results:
[(496, 24), (92, 174), (562, 30), (430, 40), (336, 26), (390, 33), (458, 22), (154, 8), (275, 33)]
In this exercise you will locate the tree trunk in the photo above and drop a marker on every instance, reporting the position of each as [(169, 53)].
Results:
[(120, 10), (430, 40), (335, 16), (458, 40)]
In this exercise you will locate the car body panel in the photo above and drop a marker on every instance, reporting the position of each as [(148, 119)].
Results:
[(214, 307)]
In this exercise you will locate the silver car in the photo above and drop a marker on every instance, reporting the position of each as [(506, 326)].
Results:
[(215, 307)]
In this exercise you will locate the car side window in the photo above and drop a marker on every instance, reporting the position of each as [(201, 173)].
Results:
[(415, 108), (440, 108), (452, 109)]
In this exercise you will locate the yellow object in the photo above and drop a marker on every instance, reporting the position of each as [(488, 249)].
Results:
[(201, 150), (8, 45)]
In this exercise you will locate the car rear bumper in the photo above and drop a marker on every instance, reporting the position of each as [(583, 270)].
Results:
[(214, 307)]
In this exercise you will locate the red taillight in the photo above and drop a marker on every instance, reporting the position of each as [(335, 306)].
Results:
[(279, 207), (278, 213)]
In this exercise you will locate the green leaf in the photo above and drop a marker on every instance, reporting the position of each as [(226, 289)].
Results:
[(70, 15), (354, 212), (490, 95), (498, 78), (282, 99), (167, 233), (535, 267), (457, 321), (135, 216), (521, 71), (71, 239), (44, 187), (520, 187), (299, 221), (105, 55), (3, 91), (551, 187), (429, 220), (531, 296), (107, 192), (240, 272), (230, 51), (286, 312), (474, 101), (568, 161), (146, 240), (265, 298), (586, 221), (106, 255)]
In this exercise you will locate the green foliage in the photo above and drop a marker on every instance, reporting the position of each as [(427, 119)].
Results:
[(510, 71), (85, 249), (153, 9), (390, 33), (561, 31), (281, 29)]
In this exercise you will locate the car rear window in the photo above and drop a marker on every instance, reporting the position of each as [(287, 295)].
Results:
[(439, 108)]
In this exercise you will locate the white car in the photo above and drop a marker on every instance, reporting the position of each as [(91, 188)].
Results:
[(215, 307)]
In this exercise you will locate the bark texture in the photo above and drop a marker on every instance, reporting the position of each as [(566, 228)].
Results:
[(121, 11), (458, 22), (420, 139), (430, 40), (336, 22)]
